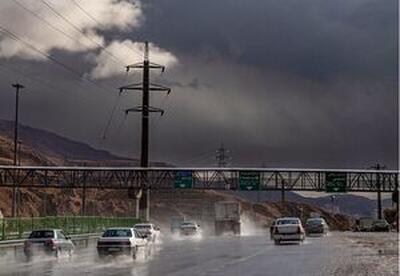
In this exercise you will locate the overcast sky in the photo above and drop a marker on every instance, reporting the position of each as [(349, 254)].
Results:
[(291, 83)]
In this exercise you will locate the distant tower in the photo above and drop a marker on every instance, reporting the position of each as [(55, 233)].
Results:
[(222, 156)]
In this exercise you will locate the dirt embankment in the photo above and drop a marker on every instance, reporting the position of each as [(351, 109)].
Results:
[(199, 205), (192, 204), (196, 204)]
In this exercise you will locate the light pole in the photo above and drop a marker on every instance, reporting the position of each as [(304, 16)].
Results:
[(19, 152), (333, 203), (17, 87)]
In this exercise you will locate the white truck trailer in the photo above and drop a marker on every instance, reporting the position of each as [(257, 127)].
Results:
[(227, 217)]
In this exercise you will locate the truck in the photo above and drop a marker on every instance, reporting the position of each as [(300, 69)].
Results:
[(227, 217), (364, 224)]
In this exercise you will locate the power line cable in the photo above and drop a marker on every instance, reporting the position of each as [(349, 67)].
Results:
[(121, 124), (37, 16), (209, 154), (84, 11), (50, 7), (49, 57), (37, 80), (111, 116), (104, 136)]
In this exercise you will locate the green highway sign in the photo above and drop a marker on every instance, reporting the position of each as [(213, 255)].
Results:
[(249, 181), (335, 182), (183, 180)]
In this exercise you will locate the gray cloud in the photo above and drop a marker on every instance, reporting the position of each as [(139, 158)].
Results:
[(284, 83)]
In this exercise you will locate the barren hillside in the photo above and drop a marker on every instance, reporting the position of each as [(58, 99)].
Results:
[(45, 148)]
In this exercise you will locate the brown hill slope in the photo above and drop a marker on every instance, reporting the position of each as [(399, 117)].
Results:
[(192, 204), (45, 148)]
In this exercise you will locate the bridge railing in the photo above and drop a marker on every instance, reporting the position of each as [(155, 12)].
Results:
[(20, 228), (200, 178)]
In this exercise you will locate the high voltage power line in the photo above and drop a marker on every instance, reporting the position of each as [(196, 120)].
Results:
[(76, 28), (50, 7), (49, 24), (49, 57), (39, 81), (90, 16)]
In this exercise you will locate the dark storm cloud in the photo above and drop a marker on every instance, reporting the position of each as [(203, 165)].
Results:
[(348, 48), (281, 83), (193, 84), (313, 38)]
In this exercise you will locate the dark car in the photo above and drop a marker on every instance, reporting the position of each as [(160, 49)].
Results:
[(50, 241), (380, 225), (316, 226)]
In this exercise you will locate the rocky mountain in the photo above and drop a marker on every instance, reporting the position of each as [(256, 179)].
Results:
[(42, 147), (350, 204)]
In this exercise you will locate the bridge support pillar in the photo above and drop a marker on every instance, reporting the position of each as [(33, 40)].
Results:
[(282, 191), (83, 210), (144, 205), (379, 198)]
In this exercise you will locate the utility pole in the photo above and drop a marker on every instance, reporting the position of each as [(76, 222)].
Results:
[(333, 203), (145, 109), (378, 186), (19, 152), (222, 156), (14, 205)]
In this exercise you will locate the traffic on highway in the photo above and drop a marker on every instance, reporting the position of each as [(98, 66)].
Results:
[(284, 247)]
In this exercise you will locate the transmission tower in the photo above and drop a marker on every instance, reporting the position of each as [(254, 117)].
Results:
[(145, 109), (222, 156)]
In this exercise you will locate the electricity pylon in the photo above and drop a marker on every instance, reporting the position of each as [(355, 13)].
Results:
[(145, 109)]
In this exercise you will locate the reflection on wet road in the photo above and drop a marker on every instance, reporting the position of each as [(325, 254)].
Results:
[(336, 254)]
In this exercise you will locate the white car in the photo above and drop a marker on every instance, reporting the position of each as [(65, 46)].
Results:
[(121, 240), (288, 229), (189, 228), (149, 230)]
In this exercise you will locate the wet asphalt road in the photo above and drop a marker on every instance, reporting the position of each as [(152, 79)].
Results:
[(336, 254)]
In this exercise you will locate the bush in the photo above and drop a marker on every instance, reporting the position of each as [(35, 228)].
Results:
[(390, 215)]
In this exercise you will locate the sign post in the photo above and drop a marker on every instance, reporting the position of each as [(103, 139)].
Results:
[(183, 180), (335, 182), (249, 181)]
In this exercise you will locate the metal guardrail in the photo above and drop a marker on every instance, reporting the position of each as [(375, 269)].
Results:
[(20, 228), (77, 239)]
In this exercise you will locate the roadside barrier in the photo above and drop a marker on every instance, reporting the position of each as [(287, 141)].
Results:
[(20, 228)]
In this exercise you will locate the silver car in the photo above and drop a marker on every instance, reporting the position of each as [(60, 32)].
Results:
[(50, 241), (148, 230), (120, 240), (288, 229), (316, 226)]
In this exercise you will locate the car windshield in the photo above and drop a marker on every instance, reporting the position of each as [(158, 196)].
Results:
[(41, 234), (142, 227), (188, 224), (118, 233), (287, 221), (314, 221)]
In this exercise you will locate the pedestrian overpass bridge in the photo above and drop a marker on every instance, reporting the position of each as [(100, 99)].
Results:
[(159, 178)]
